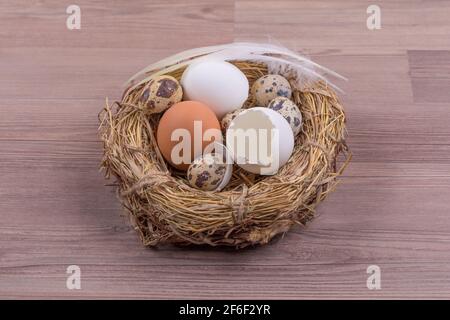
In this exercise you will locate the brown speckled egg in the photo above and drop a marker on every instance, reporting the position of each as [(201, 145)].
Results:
[(225, 122), (161, 93), (207, 172), (289, 110), (270, 86)]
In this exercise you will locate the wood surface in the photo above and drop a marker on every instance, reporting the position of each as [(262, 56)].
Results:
[(391, 209)]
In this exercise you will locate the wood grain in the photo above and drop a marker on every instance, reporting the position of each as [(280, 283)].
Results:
[(430, 75), (390, 209)]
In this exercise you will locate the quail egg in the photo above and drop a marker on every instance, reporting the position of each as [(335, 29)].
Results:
[(161, 93), (289, 110), (225, 122), (270, 86), (209, 172)]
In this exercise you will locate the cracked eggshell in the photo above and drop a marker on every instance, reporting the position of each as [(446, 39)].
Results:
[(260, 140), (270, 86), (289, 110), (161, 93), (218, 84)]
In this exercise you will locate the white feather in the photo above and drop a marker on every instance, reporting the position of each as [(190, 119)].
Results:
[(279, 60)]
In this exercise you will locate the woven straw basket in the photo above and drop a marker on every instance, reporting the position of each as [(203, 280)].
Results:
[(252, 209)]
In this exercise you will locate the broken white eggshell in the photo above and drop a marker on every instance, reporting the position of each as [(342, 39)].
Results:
[(260, 140)]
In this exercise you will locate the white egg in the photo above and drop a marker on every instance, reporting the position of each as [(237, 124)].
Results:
[(260, 140), (218, 84)]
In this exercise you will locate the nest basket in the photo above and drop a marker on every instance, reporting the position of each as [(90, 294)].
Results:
[(252, 209)]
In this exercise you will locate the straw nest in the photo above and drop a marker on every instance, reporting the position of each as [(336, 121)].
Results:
[(252, 209)]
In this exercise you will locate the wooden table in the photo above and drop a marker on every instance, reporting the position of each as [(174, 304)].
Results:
[(391, 210)]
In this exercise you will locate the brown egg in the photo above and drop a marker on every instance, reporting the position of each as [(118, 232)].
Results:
[(177, 140)]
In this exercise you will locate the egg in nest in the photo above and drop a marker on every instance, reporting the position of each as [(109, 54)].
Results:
[(161, 93), (270, 86), (185, 130), (289, 110), (218, 84), (226, 120), (209, 172)]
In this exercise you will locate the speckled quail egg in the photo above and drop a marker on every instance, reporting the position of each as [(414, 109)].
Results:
[(270, 86), (161, 93), (289, 110), (209, 172), (225, 122)]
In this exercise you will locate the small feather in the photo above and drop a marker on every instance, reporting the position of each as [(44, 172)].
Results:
[(279, 60)]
